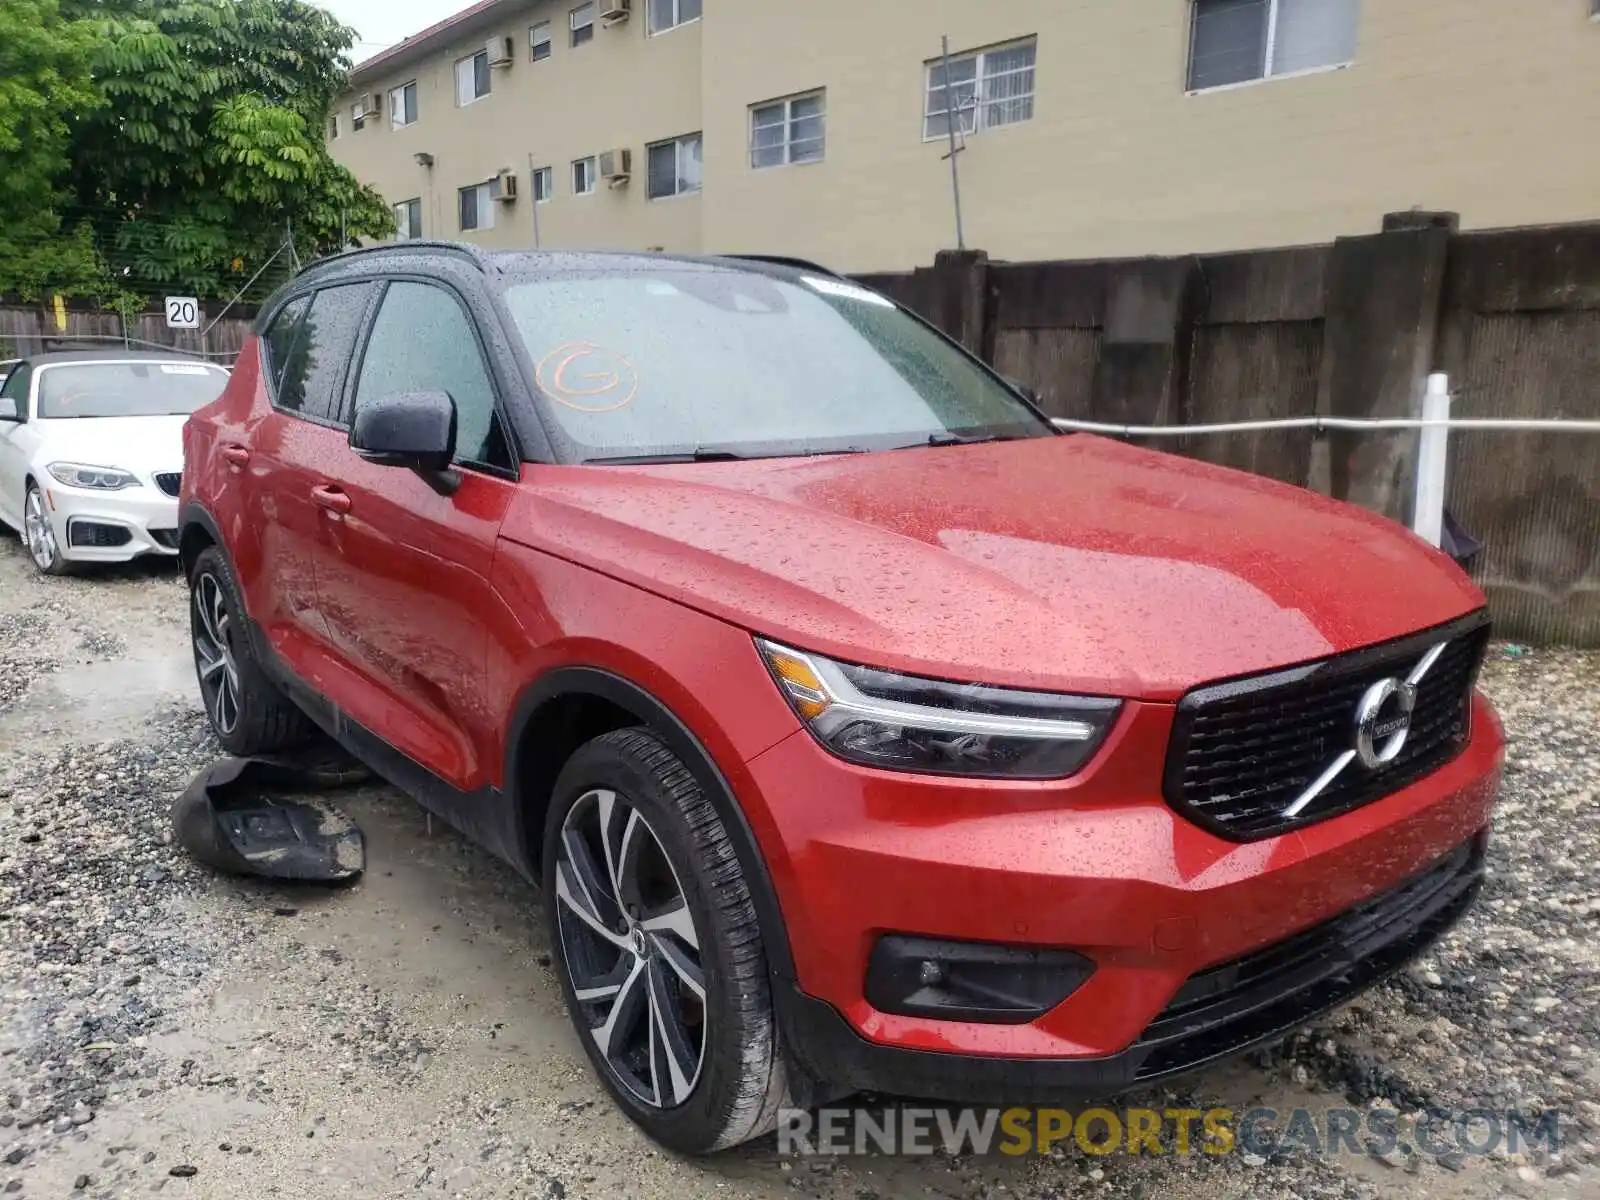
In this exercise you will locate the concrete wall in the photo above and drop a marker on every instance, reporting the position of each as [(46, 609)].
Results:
[(1477, 106), (622, 89), (1482, 107)]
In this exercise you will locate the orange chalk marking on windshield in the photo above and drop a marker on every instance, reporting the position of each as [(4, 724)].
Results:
[(560, 376)]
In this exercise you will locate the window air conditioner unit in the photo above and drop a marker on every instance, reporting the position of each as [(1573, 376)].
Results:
[(614, 12), (501, 51), (503, 187), (616, 166)]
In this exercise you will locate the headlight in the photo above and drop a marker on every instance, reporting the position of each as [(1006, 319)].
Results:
[(105, 479), (908, 723)]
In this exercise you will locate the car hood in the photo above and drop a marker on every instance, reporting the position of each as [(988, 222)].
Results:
[(142, 445), (1072, 563)]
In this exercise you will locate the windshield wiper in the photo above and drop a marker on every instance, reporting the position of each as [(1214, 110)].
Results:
[(689, 456), (955, 439), (705, 455)]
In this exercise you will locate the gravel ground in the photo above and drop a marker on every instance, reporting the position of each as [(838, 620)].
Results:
[(162, 1029)]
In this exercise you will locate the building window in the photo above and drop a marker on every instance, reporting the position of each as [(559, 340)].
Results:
[(675, 167), (472, 77), (583, 176), (403, 105), (1237, 41), (669, 14), (408, 220), (544, 184), (333, 126), (787, 131), (539, 41), (985, 89), (477, 208), (582, 21), (359, 115)]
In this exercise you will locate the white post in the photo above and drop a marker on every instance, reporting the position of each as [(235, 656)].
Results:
[(1433, 442)]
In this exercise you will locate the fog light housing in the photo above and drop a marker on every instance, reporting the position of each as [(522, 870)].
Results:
[(970, 981)]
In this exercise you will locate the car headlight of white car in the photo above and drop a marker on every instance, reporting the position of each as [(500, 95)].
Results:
[(102, 479)]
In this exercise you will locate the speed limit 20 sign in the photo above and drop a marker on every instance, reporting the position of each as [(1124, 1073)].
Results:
[(183, 312)]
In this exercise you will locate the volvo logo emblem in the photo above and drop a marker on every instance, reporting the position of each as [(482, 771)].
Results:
[(1383, 719)]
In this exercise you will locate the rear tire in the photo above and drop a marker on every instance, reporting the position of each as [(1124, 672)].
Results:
[(651, 919), (246, 710)]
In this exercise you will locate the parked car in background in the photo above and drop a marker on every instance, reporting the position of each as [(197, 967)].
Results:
[(864, 731), (91, 451)]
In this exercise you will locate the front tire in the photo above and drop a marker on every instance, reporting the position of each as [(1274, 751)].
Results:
[(658, 946), (39, 536), (246, 710)]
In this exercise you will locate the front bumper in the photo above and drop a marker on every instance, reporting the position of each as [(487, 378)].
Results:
[(1101, 865), (1252, 1001), (145, 518)]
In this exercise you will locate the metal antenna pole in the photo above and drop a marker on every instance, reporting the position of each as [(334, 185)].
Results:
[(259, 272), (950, 124)]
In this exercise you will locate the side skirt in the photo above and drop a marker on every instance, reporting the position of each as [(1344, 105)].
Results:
[(482, 815)]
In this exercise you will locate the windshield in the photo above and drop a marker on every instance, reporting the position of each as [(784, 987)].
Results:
[(702, 360), (128, 389)]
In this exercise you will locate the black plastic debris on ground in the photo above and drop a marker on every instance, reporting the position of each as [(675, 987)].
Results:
[(259, 816)]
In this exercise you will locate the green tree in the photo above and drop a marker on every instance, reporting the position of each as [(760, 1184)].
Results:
[(192, 145), (45, 90)]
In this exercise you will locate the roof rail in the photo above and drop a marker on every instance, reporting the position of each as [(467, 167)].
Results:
[(781, 260), (410, 246)]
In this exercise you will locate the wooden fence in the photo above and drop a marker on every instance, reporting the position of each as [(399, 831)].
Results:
[(31, 329)]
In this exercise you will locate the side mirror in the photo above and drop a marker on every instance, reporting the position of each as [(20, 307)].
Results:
[(411, 429), (8, 409)]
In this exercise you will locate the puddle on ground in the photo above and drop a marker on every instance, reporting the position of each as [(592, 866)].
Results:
[(101, 701)]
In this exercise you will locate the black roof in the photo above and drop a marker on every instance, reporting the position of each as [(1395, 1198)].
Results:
[(101, 355), (533, 262)]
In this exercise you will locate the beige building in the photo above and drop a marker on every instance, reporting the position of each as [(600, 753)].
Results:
[(1088, 128)]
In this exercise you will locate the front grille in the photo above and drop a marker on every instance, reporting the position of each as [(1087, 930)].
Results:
[(1271, 991), (96, 534), (170, 482), (1245, 750)]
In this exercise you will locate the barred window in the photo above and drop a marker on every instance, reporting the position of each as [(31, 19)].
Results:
[(980, 90)]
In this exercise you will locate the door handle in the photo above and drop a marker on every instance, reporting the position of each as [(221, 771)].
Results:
[(330, 498), (236, 456)]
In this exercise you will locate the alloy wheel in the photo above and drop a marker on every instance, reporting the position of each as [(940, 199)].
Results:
[(631, 949), (213, 653), (37, 532)]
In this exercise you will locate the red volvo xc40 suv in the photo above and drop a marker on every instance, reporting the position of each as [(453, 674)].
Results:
[(863, 730)]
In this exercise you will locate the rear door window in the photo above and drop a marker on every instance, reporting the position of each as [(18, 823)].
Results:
[(312, 379), (278, 341)]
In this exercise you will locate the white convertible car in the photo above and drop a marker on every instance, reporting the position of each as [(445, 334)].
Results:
[(91, 452)]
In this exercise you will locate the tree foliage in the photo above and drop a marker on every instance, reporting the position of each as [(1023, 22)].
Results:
[(44, 86), (170, 144)]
